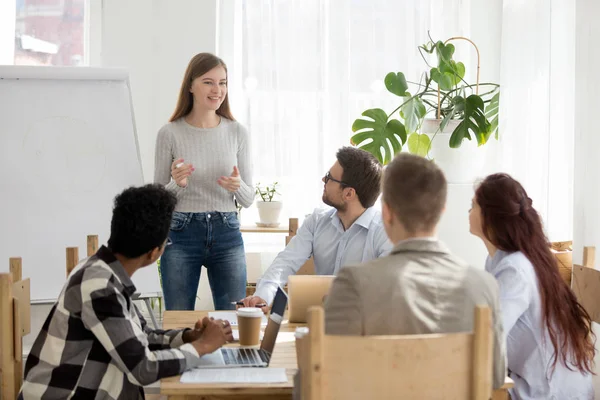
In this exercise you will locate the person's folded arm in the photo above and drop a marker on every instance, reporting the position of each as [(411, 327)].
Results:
[(245, 194), (104, 312), (163, 158), (159, 339)]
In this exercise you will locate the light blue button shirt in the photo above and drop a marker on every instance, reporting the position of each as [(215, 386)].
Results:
[(529, 350), (323, 237)]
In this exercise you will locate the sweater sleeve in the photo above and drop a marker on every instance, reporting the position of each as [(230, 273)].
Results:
[(245, 194), (163, 158)]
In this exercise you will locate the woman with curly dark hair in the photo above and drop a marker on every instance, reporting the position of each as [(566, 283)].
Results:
[(550, 344)]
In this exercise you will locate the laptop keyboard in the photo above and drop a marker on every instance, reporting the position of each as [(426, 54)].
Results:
[(241, 356)]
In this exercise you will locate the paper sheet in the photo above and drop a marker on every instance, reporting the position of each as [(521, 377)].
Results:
[(231, 316), (235, 375)]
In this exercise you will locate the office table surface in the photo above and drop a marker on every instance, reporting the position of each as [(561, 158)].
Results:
[(284, 356)]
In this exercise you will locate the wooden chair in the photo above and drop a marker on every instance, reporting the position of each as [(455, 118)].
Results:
[(563, 253), (15, 322), (309, 267), (586, 284), (73, 252), (434, 366)]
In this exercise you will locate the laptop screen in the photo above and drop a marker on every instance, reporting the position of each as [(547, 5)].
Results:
[(275, 319), (279, 303)]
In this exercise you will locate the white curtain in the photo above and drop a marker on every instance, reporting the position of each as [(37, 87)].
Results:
[(537, 105), (304, 70)]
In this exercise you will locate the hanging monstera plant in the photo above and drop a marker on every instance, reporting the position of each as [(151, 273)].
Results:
[(443, 94)]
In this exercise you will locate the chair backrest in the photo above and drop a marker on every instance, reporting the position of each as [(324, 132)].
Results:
[(15, 322), (433, 366), (73, 253), (586, 284), (309, 266), (563, 254)]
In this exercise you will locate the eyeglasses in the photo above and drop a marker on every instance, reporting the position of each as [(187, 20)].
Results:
[(329, 178)]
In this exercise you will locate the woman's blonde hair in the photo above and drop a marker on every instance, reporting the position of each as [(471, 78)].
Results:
[(199, 65)]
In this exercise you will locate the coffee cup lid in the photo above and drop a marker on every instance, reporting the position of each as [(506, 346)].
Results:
[(301, 331), (251, 312)]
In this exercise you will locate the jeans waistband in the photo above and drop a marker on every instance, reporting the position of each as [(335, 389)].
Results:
[(209, 214)]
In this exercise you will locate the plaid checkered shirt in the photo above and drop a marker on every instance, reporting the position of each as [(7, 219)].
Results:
[(96, 345)]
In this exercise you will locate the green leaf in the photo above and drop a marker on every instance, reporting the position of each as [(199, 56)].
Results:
[(444, 81), (448, 72), (396, 83), (413, 112), (419, 144), (378, 133), (444, 52), (453, 68), (474, 121), (491, 113), (448, 77)]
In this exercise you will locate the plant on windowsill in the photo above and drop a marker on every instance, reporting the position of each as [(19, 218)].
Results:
[(435, 117), (268, 209)]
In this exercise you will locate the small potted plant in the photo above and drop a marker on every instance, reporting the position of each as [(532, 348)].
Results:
[(268, 210), (442, 117)]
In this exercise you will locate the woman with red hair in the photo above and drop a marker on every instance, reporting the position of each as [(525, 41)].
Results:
[(550, 344)]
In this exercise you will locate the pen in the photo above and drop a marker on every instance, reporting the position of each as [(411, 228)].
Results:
[(241, 303)]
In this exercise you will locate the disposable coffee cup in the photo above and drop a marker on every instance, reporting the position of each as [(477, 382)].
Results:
[(301, 335), (249, 320)]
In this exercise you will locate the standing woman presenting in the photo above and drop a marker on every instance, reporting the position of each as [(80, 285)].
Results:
[(203, 156)]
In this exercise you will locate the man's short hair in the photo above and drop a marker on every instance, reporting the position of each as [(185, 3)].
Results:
[(362, 172), (415, 189), (141, 220)]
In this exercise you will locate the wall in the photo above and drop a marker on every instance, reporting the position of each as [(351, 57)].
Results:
[(155, 40), (586, 212), (586, 209)]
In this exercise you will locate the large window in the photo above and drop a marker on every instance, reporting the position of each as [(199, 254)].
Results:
[(46, 32), (303, 70)]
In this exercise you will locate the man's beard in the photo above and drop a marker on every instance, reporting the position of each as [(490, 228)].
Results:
[(339, 206)]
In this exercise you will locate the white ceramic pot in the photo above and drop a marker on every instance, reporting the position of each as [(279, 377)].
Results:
[(462, 165), (268, 212)]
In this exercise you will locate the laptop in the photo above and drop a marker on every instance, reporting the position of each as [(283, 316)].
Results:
[(229, 357), (306, 291)]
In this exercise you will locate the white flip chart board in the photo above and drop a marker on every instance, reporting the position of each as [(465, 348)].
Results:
[(68, 145)]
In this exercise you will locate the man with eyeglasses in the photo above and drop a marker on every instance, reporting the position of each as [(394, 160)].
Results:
[(349, 232)]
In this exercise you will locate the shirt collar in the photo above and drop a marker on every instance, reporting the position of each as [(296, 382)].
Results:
[(415, 239), (364, 220), (422, 244), (106, 255)]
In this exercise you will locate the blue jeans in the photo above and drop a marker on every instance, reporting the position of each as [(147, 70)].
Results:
[(211, 239)]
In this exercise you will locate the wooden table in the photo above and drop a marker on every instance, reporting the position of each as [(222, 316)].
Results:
[(284, 356)]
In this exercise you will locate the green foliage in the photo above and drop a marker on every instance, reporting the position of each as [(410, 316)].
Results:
[(384, 135), (419, 143), (267, 193), (378, 136)]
